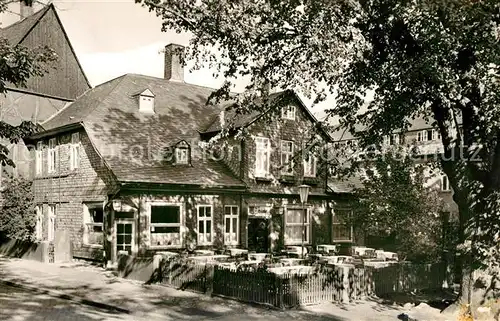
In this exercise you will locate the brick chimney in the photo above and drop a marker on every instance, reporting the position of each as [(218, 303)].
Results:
[(174, 70), (26, 9)]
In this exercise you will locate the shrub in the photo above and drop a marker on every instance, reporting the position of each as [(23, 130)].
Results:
[(17, 214)]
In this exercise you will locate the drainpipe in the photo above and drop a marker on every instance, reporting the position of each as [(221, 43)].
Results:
[(110, 248)]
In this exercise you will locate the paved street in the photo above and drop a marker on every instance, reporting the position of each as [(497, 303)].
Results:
[(19, 304), (149, 302)]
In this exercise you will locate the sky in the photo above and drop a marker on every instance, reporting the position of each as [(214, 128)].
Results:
[(115, 37)]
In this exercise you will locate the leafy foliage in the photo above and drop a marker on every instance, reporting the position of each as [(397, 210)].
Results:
[(434, 59), (18, 64), (18, 214), (398, 202)]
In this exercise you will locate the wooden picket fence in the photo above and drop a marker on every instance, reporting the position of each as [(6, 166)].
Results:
[(333, 284), (401, 278)]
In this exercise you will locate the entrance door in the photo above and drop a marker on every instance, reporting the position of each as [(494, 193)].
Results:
[(124, 236), (258, 235)]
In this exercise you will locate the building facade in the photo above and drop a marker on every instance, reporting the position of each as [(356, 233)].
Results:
[(131, 166), (42, 96)]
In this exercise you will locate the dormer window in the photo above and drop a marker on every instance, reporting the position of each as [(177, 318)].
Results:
[(182, 153), (288, 112), (146, 101)]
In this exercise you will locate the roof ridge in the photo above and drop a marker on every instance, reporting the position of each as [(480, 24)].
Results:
[(83, 94), (177, 82), (118, 81), (40, 12), (69, 43)]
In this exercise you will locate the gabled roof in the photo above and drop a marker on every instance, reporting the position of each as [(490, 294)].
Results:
[(18, 31), (243, 120), (119, 131), (144, 92), (340, 133)]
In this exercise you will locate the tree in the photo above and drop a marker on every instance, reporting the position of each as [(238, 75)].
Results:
[(18, 219), (433, 59), (398, 202), (17, 64)]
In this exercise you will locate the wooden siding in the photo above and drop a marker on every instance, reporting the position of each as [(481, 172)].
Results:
[(67, 79)]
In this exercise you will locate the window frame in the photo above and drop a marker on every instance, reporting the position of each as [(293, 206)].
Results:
[(307, 225), (436, 135), (87, 222), (289, 158), (180, 224), (74, 155), (315, 163), (289, 112), (350, 227), (444, 178), (204, 219), (236, 228), (39, 223), (52, 156), (386, 140), (422, 136), (266, 152), (39, 158), (51, 220), (178, 152)]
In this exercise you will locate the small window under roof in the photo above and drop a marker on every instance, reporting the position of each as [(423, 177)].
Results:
[(146, 101)]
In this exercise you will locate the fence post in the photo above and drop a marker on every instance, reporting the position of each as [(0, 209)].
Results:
[(281, 292), (345, 284), (208, 278)]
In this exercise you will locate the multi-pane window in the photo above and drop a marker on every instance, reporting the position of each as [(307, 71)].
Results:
[(181, 155), (165, 225), (310, 165), (422, 136), (393, 139), (342, 230), (39, 158), (262, 156), (287, 157), (94, 220), (428, 135), (205, 224), (74, 155), (52, 156), (445, 183), (288, 112), (51, 226), (231, 225), (39, 223), (297, 225)]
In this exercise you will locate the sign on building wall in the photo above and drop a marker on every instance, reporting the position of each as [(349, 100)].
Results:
[(259, 211)]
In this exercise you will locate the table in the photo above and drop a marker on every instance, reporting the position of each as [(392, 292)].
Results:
[(204, 252), (290, 262), (257, 256), (237, 252), (298, 269), (327, 248), (210, 258)]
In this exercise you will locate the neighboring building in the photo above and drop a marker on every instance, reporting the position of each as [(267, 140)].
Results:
[(429, 146), (42, 96), (125, 167)]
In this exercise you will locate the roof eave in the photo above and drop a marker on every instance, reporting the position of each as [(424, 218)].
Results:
[(51, 132), (141, 186)]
